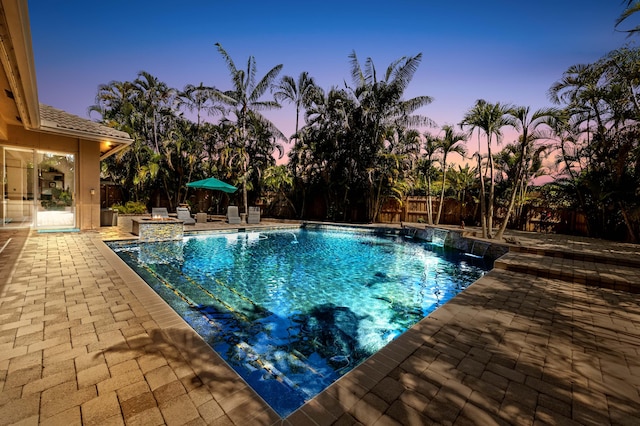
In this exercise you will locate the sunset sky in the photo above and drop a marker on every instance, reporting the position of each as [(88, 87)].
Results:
[(501, 51)]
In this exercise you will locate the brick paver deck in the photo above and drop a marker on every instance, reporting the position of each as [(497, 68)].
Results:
[(84, 341)]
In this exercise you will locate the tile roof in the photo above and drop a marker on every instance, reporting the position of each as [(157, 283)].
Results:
[(56, 120)]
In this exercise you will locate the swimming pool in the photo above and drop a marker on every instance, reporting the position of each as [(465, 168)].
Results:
[(291, 311)]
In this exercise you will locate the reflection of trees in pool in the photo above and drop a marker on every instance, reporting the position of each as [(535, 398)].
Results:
[(334, 328), (405, 316), (327, 331)]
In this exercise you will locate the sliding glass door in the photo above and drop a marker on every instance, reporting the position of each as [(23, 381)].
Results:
[(17, 187), (55, 188), (41, 196)]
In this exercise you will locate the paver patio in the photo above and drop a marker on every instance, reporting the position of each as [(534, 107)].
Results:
[(84, 341)]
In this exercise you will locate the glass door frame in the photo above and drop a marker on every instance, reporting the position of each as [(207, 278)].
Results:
[(18, 204), (55, 200)]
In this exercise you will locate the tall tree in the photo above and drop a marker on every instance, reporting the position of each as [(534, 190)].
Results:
[(143, 108), (449, 143), (198, 99), (156, 103), (489, 119), (602, 158), (320, 158), (431, 145), (299, 93), (528, 125), (380, 107), (244, 101)]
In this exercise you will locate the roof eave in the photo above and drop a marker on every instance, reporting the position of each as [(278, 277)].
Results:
[(117, 142), (16, 55), (84, 135), (117, 148)]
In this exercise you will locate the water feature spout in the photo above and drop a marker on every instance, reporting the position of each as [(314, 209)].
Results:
[(439, 236), (480, 251), (410, 232), (295, 239)]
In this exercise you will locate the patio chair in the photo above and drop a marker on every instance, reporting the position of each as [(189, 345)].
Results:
[(185, 216), (159, 212), (232, 215), (254, 215)]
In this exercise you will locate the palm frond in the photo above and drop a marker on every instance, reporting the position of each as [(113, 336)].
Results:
[(230, 65), (357, 76), (413, 104), (632, 8), (264, 83), (286, 89), (403, 75)]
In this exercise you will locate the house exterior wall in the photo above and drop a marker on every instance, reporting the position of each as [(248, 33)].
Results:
[(87, 163), (88, 186)]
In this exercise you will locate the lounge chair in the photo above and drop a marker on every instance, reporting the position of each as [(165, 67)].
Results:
[(160, 212), (254, 215), (232, 215), (185, 216)]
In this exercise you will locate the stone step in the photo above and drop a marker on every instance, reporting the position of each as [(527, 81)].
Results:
[(588, 272), (601, 256)]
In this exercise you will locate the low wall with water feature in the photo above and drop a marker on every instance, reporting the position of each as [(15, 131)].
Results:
[(148, 229), (456, 238)]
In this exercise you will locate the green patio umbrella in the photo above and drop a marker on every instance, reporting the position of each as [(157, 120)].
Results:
[(214, 184)]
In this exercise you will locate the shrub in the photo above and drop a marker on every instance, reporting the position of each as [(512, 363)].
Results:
[(130, 207)]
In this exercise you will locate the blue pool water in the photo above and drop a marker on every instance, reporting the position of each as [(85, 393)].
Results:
[(293, 310)]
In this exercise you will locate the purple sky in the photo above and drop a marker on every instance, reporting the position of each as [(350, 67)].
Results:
[(501, 51)]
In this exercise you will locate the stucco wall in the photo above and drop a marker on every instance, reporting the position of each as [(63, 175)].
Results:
[(88, 205)]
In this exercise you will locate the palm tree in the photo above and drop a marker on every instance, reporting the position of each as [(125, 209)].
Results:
[(115, 104), (198, 99), (143, 109), (319, 158), (244, 102), (529, 129), (299, 93), (633, 7), (183, 153), (488, 119), (603, 105), (431, 144), (279, 179), (448, 144), (461, 181), (156, 102), (394, 166), (380, 107)]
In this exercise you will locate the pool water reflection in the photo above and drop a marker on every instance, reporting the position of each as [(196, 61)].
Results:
[(293, 311)]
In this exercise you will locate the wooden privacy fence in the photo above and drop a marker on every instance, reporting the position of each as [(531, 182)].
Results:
[(560, 221), (536, 219), (414, 209)]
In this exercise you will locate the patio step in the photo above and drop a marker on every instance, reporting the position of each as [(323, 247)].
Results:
[(593, 270), (610, 256)]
